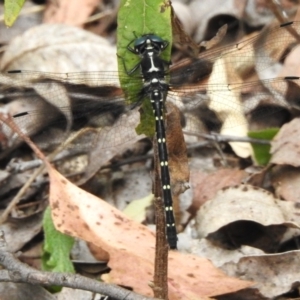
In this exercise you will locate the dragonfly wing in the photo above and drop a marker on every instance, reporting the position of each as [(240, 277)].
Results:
[(113, 140)]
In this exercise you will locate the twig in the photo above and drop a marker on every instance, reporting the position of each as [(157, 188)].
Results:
[(19, 272), (160, 286), (19, 195), (37, 172), (213, 136), (98, 16)]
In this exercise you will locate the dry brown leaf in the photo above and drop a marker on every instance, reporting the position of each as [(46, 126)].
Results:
[(75, 294), (112, 140), (205, 186), (275, 274), (285, 180), (244, 215), (20, 232), (184, 15), (216, 39), (219, 256), (32, 122), (285, 147), (59, 48), (209, 15), (290, 211), (232, 115), (181, 37), (242, 202), (68, 12), (177, 152), (266, 49), (24, 291), (131, 246), (291, 65)]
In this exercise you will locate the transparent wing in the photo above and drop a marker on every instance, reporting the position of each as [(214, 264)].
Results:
[(95, 99)]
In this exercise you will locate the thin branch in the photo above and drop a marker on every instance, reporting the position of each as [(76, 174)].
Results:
[(16, 167), (160, 282), (228, 138), (10, 122), (19, 272)]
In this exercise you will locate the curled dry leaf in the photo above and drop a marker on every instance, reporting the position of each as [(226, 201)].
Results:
[(59, 48), (285, 147), (274, 274), (219, 256), (130, 246), (228, 218), (51, 48), (45, 100), (212, 13)]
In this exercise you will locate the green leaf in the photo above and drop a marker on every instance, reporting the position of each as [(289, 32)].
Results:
[(57, 247), (12, 9), (147, 124), (262, 152), (137, 18)]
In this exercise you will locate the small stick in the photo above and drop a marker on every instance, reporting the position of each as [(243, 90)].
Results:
[(16, 271), (160, 287)]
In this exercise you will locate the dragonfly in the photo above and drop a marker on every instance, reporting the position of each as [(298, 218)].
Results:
[(154, 72), (73, 98)]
